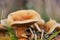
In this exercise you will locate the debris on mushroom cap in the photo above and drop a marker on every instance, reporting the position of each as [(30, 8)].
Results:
[(50, 25), (23, 16)]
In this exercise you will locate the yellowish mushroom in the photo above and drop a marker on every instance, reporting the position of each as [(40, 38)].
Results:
[(51, 25)]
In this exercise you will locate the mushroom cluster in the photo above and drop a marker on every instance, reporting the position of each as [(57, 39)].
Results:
[(28, 25)]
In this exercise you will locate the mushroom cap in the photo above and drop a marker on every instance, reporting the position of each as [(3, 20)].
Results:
[(23, 17)]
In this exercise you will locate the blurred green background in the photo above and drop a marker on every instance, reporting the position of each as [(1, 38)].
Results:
[(46, 8)]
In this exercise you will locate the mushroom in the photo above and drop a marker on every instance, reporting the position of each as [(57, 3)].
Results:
[(22, 20), (51, 25)]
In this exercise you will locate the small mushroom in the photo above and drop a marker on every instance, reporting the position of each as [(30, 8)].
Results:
[(51, 25)]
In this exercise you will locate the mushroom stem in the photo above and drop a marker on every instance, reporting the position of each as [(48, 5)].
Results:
[(31, 33), (35, 36), (42, 34), (36, 25)]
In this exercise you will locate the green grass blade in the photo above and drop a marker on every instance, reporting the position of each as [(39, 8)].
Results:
[(53, 35)]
